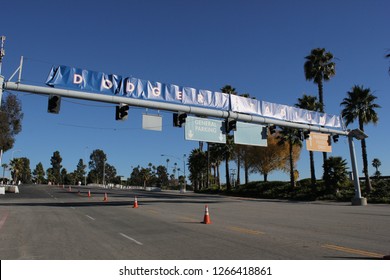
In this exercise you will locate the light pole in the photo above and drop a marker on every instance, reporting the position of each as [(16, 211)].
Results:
[(359, 135)]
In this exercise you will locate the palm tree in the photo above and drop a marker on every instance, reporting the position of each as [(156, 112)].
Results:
[(308, 102), (197, 165), (319, 67), (376, 163), (292, 137), (336, 175), (359, 105)]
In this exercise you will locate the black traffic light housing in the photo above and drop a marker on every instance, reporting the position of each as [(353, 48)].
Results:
[(272, 129), (305, 134), (179, 119), (121, 112), (230, 125), (335, 138), (54, 104)]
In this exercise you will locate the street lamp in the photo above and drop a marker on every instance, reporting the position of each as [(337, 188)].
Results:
[(359, 135)]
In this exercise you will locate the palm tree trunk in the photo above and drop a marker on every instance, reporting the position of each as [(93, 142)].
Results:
[(238, 171), (228, 186), (312, 168), (321, 96), (365, 166), (246, 170), (365, 161), (292, 181)]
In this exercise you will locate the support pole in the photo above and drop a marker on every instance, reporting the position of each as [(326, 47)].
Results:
[(1, 88), (358, 199)]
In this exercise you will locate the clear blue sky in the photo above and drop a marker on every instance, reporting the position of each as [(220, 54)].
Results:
[(258, 47)]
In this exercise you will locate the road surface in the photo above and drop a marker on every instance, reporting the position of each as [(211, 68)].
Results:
[(49, 222)]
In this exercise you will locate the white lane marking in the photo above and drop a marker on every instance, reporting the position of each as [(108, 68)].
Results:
[(132, 239), (93, 219)]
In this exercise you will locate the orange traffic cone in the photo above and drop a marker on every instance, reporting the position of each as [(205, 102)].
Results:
[(135, 202), (89, 193), (105, 197), (206, 219)]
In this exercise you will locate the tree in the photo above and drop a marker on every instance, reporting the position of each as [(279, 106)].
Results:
[(21, 170), (80, 171), (197, 165), (292, 137), (376, 163), (11, 117), (39, 173), (97, 165), (318, 68), (336, 175), (268, 159), (308, 102), (56, 167), (217, 155), (110, 174), (360, 105)]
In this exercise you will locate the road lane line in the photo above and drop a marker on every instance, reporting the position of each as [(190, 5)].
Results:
[(132, 239), (352, 251), (245, 230), (93, 219)]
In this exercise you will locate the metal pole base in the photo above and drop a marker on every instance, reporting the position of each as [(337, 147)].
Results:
[(359, 201)]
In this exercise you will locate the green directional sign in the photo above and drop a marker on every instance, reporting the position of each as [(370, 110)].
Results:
[(203, 129), (250, 134)]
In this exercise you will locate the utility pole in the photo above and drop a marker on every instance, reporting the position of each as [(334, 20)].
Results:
[(2, 54), (2, 51)]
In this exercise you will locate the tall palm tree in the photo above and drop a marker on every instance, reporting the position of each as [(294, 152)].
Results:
[(308, 102), (360, 105), (319, 67), (292, 137), (229, 144)]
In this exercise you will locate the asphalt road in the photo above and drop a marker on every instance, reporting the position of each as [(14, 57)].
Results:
[(47, 222)]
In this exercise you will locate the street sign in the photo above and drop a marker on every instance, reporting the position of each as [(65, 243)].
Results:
[(318, 142), (152, 122), (203, 129), (250, 134)]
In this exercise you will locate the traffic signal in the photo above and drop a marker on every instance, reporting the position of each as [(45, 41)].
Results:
[(121, 112), (335, 138), (54, 104), (230, 125), (179, 119), (272, 129), (305, 134)]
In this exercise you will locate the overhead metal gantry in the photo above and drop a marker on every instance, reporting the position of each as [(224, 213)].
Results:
[(206, 112)]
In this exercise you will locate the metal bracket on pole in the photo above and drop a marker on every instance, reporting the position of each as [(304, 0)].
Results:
[(1, 88), (19, 69)]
